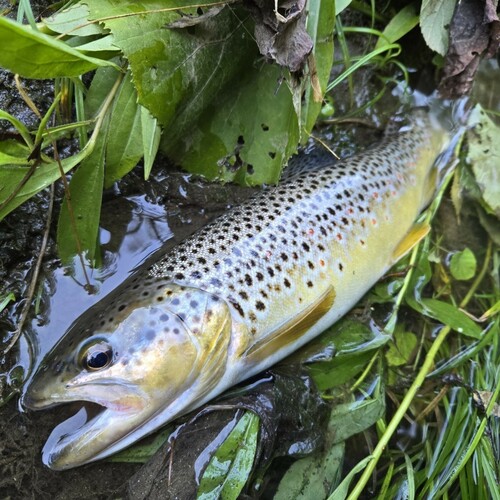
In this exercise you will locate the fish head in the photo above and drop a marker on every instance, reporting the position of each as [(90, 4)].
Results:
[(141, 361)]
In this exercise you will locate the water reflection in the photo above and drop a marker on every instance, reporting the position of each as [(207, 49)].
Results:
[(132, 229)]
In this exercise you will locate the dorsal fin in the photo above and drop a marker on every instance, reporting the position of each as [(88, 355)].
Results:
[(293, 329)]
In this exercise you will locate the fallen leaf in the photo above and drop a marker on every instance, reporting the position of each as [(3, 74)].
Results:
[(281, 35), (474, 35)]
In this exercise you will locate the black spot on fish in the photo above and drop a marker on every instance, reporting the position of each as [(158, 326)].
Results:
[(260, 305), (164, 317), (193, 304), (150, 334)]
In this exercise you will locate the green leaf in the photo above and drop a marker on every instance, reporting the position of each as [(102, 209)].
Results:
[(231, 464), (151, 134), (342, 489), (224, 114), (102, 83), (33, 54), (20, 127), (144, 450), (484, 156), (435, 18), (124, 146), (463, 265), (43, 175), (86, 196), (401, 348), (451, 316), (401, 24), (312, 476), (5, 300), (341, 5), (246, 137), (13, 153), (73, 21), (320, 26), (349, 419), (354, 345)]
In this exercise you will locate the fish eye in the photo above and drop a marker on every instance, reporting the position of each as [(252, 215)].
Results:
[(96, 356)]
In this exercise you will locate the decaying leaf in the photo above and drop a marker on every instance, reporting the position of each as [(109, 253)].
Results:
[(474, 35), (483, 155), (188, 20), (280, 31), (483, 399)]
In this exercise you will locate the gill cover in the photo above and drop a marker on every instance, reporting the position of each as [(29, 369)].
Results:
[(151, 358)]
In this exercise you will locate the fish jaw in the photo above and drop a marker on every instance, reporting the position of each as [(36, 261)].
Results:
[(143, 386)]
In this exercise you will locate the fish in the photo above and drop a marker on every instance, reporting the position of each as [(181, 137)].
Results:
[(237, 296)]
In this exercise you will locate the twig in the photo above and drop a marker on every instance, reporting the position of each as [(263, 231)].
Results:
[(34, 278)]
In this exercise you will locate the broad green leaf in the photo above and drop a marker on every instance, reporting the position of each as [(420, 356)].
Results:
[(102, 83), (73, 21), (451, 316), (231, 464), (401, 348), (312, 476), (463, 265), (401, 24), (341, 369), (224, 114), (435, 18), (248, 134), (86, 196), (349, 419), (124, 142), (13, 153), (33, 54), (354, 345), (151, 134), (103, 44), (320, 26), (484, 156)]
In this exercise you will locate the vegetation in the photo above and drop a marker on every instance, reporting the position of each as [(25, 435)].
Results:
[(422, 382)]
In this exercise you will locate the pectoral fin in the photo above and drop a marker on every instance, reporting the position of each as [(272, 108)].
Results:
[(417, 233), (293, 329)]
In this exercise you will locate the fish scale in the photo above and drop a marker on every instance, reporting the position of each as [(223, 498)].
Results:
[(237, 296)]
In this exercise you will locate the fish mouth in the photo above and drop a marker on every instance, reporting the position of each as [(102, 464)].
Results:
[(102, 421)]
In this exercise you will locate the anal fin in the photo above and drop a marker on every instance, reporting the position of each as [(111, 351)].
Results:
[(292, 329)]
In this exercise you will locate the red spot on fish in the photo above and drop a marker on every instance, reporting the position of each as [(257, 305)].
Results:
[(374, 222), (339, 236), (268, 255), (322, 262), (310, 231), (375, 195), (394, 193), (350, 210)]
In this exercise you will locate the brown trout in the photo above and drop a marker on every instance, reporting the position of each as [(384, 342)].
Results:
[(237, 296)]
